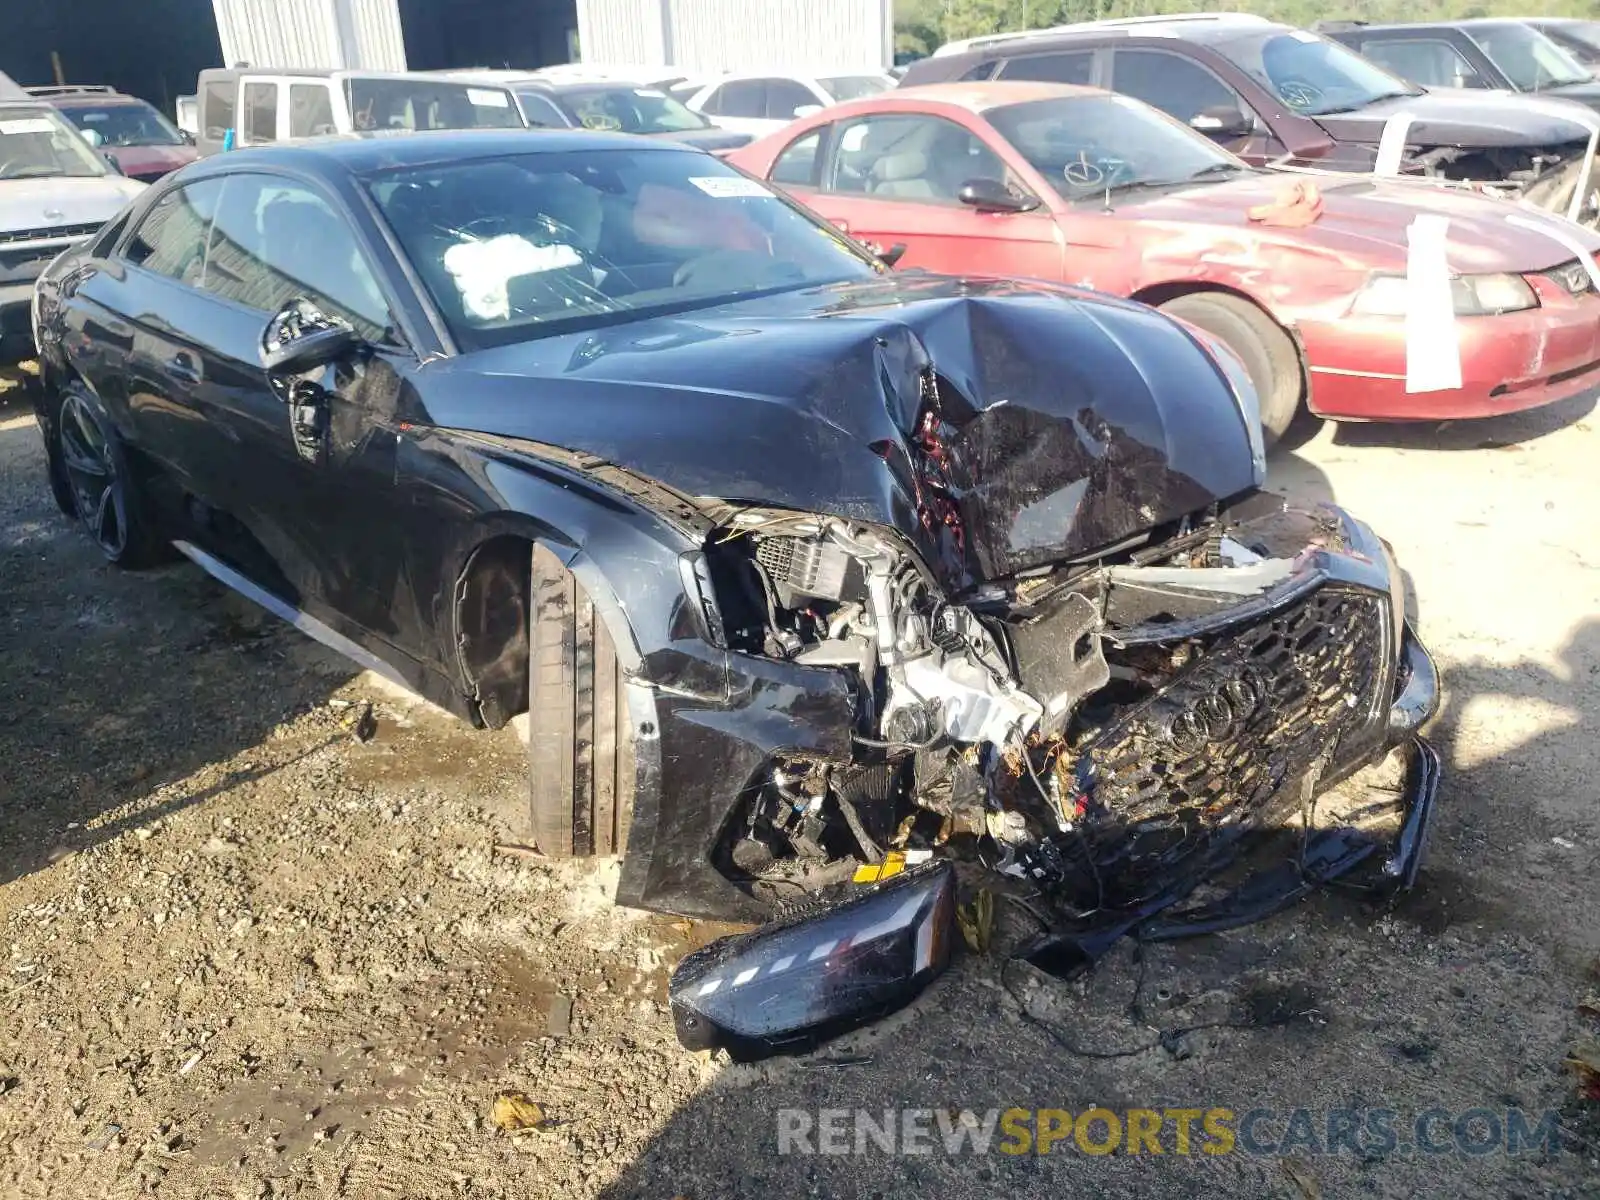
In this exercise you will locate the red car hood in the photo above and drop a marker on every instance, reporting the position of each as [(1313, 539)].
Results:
[(151, 162), (1365, 220)]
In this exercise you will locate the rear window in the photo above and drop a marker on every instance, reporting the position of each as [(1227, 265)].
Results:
[(412, 104), (217, 118)]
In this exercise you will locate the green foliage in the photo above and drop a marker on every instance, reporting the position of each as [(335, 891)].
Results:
[(923, 25)]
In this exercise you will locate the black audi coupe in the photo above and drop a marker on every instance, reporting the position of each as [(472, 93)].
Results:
[(834, 593)]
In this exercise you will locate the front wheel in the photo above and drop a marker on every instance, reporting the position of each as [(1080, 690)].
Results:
[(104, 496), (1266, 350), (580, 738)]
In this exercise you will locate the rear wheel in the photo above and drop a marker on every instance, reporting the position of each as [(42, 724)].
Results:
[(103, 492), (580, 744), (1265, 349)]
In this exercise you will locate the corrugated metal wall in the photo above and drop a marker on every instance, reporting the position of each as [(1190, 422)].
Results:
[(738, 35), (311, 33)]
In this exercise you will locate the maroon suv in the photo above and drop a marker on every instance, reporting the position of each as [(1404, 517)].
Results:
[(142, 142)]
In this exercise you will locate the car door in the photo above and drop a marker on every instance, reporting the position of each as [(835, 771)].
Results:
[(1189, 92), (895, 179)]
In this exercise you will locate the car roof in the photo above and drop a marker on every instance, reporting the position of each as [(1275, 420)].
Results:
[(363, 153), (1188, 27), (980, 97), (1463, 23)]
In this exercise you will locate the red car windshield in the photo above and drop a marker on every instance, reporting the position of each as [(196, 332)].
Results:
[(1087, 146), (124, 124)]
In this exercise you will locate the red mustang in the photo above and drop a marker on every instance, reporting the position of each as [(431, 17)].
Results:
[(1322, 285)]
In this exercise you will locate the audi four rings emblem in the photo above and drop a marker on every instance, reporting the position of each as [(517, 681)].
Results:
[(1219, 714)]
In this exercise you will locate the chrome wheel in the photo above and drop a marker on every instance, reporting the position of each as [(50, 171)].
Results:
[(99, 493)]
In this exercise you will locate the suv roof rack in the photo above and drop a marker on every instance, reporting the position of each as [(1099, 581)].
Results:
[(73, 89), (1111, 24)]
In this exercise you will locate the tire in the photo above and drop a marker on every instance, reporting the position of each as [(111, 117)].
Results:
[(1266, 350), (581, 757), (48, 417), (103, 491)]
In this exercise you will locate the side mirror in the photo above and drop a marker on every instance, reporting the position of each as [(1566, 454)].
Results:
[(301, 337), (990, 195), (893, 254), (1223, 121), (111, 161)]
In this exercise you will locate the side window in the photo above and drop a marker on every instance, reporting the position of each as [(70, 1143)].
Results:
[(260, 112), (1431, 62), (797, 165), (742, 98), (310, 110), (218, 118), (905, 157), (1176, 86), (1077, 67), (540, 112), (785, 97), (171, 240), (274, 240)]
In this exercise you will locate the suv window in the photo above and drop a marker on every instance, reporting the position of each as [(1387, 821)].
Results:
[(218, 102), (741, 98), (1077, 67), (797, 165), (784, 97), (1432, 62), (906, 157), (274, 240), (311, 110), (171, 240), (1178, 87), (260, 112)]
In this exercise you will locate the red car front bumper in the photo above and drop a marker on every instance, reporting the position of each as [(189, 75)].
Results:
[(1510, 362)]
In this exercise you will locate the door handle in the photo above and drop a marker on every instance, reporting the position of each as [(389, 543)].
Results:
[(183, 368)]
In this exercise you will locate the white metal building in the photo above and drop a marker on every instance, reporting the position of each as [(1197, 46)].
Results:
[(311, 33), (739, 35)]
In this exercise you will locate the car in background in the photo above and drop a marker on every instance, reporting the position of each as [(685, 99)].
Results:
[(142, 142), (607, 106), (804, 570), (256, 106), (761, 102), (55, 191), (1579, 38), (1492, 53), (1270, 93), (1098, 190)]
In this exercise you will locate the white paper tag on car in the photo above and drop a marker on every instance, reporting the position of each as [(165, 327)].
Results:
[(1433, 346), (28, 125), (729, 186), (487, 98)]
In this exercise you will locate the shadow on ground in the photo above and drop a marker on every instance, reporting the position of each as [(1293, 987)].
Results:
[(119, 683)]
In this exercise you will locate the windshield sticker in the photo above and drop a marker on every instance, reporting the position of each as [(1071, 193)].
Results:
[(1303, 35), (482, 270), (28, 125), (725, 187), (488, 98), (649, 93), (91, 117)]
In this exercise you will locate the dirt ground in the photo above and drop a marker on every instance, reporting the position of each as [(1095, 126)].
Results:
[(248, 954)]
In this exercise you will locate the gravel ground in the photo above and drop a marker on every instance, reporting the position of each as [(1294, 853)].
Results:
[(249, 951)]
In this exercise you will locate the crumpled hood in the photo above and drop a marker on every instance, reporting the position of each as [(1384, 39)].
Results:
[(1364, 221), (1056, 422), (63, 200), (1464, 117)]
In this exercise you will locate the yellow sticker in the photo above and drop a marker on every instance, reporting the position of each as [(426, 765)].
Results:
[(893, 863)]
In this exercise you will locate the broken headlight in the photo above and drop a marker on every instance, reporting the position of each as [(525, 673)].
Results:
[(1472, 296)]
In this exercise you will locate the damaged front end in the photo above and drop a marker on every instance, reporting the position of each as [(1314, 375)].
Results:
[(1558, 178), (1111, 737)]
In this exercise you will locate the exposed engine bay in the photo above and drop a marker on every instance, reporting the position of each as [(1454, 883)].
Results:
[(1104, 733), (1558, 178)]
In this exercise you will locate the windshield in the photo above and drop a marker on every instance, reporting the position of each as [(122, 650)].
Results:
[(629, 110), (36, 142), (1087, 145), (854, 87), (1312, 75), (125, 124), (1527, 58), (516, 248), (429, 104)]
